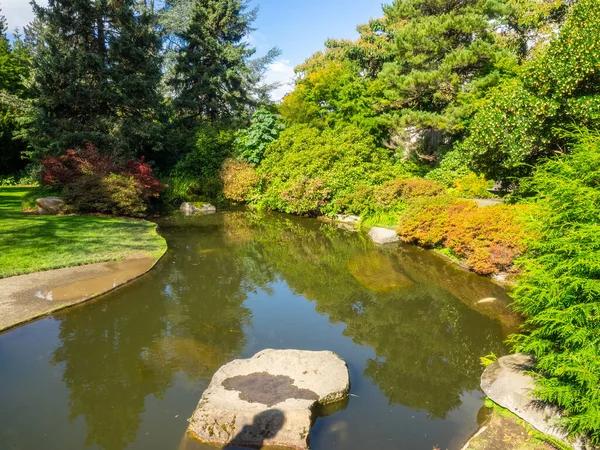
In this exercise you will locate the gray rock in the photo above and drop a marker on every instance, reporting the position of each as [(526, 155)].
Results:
[(189, 209), (507, 384), (50, 205), (347, 219), (267, 400), (383, 235)]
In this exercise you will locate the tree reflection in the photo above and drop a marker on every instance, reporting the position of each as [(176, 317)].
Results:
[(188, 316), (427, 341)]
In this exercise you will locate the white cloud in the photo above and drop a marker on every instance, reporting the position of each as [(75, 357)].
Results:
[(281, 72), (18, 13)]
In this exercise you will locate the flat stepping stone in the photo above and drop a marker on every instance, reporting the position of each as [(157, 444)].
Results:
[(507, 383), (267, 400)]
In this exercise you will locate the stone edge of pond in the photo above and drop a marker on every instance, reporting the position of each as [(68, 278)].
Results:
[(81, 300)]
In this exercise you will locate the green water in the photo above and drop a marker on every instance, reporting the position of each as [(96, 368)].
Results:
[(127, 370)]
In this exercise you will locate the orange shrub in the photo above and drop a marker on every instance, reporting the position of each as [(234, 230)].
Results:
[(487, 239), (239, 180)]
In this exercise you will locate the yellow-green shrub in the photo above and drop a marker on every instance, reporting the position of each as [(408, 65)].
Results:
[(239, 180), (472, 186), (394, 191)]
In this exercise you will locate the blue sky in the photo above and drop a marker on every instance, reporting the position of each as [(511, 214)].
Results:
[(298, 27)]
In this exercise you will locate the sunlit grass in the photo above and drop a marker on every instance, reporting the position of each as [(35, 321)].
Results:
[(32, 243)]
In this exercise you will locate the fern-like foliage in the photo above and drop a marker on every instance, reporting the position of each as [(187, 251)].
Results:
[(560, 289)]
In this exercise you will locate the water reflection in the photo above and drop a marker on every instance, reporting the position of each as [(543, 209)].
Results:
[(420, 321)]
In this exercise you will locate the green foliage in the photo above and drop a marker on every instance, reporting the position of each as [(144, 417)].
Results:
[(214, 78), (559, 291), (96, 72), (472, 186), (196, 175), (114, 195), (251, 143), (14, 68), (516, 125), (447, 56), (309, 171), (331, 92)]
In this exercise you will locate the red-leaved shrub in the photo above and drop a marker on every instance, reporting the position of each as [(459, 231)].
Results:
[(69, 171)]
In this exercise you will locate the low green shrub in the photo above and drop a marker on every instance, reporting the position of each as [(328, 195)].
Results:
[(472, 186), (559, 290), (309, 171), (114, 194)]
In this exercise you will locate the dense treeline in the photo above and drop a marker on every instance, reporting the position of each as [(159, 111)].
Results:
[(435, 102)]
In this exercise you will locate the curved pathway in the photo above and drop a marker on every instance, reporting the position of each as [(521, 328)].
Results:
[(27, 297)]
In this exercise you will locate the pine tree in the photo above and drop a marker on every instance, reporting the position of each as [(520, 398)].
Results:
[(14, 66), (447, 53), (96, 76), (214, 77)]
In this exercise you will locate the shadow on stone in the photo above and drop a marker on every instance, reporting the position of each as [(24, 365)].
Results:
[(267, 389), (265, 426)]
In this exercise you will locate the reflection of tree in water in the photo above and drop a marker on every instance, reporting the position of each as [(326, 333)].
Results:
[(186, 316), (427, 342)]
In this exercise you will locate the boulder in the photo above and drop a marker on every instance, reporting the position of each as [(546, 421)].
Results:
[(189, 209), (50, 205), (267, 400), (383, 235), (507, 384), (347, 219)]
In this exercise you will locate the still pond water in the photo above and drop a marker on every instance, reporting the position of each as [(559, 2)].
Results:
[(127, 370)]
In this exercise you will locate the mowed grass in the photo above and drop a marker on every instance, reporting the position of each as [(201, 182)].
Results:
[(32, 243)]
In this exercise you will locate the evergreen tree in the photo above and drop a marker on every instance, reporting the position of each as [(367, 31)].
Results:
[(214, 77), (447, 54), (14, 65), (96, 74)]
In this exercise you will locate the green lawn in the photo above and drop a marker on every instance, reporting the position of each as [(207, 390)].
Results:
[(31, 243)]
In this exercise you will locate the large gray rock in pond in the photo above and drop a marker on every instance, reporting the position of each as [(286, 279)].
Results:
[(50, 205), (507, 384), (189, 209), (267, 400), (383, 235)]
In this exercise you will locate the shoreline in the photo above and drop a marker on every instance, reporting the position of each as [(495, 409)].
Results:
[(22, 301)]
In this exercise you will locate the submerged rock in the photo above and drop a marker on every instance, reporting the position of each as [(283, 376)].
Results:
[(347, 219), (50, 205), (507, 384), (267, 400), (383, 235), (377, 272), (190, 209)]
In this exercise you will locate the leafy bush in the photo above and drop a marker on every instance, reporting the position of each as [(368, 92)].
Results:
[(113, 194), (559, 291), (327, 165), (392, 192), (472, 186), (93, 182), (239, 180), (516, 125), (252, 143), (487, 239)]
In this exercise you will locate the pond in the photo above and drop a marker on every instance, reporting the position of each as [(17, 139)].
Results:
[(127, 370)]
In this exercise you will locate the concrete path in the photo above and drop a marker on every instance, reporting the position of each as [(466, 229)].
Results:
[(27, 297)]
